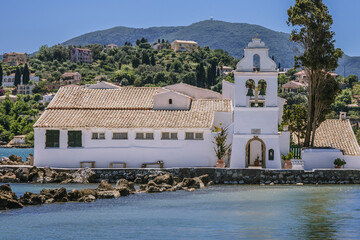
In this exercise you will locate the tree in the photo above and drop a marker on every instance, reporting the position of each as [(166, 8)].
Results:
[(152, 59), (352, 79), (26, 74), (1, 74), (313, 32), (295, 118), (17, 77), (200, 75)]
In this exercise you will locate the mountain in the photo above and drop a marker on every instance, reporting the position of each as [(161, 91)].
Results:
[(231, 37)]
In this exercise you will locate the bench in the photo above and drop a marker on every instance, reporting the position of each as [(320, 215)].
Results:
[(89, 164), (117, 165), (159, 164)]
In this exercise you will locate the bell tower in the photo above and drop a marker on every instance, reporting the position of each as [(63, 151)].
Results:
[(256, 137)]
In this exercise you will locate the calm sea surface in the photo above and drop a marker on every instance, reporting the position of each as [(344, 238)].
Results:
[(23, 152), (219, 212)]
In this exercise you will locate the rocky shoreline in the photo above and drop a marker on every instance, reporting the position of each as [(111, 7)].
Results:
[(161, 183)]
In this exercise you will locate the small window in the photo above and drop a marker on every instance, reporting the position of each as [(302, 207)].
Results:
[(74, 139), (189, 136), (120, 135), (98, 136), (169, 136), (149, 136), (194, 136), (144, 136), (170, 101), (52, 138), (199, 136), (271, 154)]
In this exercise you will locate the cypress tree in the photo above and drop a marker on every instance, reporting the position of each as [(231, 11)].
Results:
[(26, 74), (17, 77), (200, 75), (152, 60), (1, 74)]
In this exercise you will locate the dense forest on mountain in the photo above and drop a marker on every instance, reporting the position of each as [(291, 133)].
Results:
[(231, 37)]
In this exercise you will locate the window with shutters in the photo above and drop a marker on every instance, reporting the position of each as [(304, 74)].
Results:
[(194, 136), (96, 135), (140, 136), (120, 135), (74, 139), (52, 138), (169, 136)]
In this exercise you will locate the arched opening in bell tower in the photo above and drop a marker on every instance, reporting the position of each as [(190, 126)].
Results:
[(256, 62)]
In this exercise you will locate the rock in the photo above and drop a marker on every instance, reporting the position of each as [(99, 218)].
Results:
[(205, 179), (22, 174), (153, 189), (63, 176), (192, 183), (16, 159), (104, 185), (77, 194), (138, 180), (271, 184), (166, 178), (125, 187), (108, 194), (212, 183), (36, 175), (9, 177), (8, 199), (48, 172), (299, 184), (190, 189), (32, 199), (59, 195), (85, 175), (30, 160), (50, 200), (87, 198)]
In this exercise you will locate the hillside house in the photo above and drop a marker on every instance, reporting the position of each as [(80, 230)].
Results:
[(184, 46), (9, 81), (82, 55), (15, 59), (70, 78)]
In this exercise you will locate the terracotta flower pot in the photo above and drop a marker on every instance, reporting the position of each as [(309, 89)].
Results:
[(220, 163), (337, 166), (287, 164), (256, 163)]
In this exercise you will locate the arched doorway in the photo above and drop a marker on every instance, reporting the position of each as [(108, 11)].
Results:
[(255, 151)]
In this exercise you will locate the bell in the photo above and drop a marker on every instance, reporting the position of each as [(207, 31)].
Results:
[(262, 91), (250, 92)]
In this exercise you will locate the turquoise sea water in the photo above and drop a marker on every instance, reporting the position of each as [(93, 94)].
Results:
[(219, 212), (23, 152)]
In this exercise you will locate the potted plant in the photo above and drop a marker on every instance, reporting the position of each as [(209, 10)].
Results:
[(287, 160), (257, 162), (221, 147), (339, 163)]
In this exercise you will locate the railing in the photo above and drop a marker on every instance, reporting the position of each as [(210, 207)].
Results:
[(296, 150)]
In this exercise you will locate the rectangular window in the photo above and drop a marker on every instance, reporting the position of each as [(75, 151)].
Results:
[(144, 136), (98, 136), (74, 139), (169, 136), (52, 138), (194, 136), (120, 135)]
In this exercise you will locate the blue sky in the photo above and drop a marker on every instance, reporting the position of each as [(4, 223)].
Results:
[(26, 25)]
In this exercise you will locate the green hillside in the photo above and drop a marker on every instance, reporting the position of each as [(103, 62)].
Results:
[(231, 37)]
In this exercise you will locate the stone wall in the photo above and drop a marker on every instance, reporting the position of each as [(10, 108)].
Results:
[(219, 176), (238, 176)]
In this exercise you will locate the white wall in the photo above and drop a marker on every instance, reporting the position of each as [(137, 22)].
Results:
[(228, 91), (179, 101), (265, 119), (238, 154), (174, 153), (284, 141)]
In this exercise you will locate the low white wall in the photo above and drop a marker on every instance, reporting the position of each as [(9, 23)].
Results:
[(320, 158), (352, 162)]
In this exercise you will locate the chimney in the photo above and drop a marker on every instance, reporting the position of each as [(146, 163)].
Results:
[(342, 116)]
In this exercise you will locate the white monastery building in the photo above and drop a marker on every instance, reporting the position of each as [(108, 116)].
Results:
[(104, 125)]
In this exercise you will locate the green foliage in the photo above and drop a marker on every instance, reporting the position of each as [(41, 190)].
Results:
[(26, 74), (1, 74), (221, 146), (17, 77), (289, 156), (295, 118), (338, 162)]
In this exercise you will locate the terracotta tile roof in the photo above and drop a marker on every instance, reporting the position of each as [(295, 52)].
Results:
[(186, 42), (127, 107), (338, 134)]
